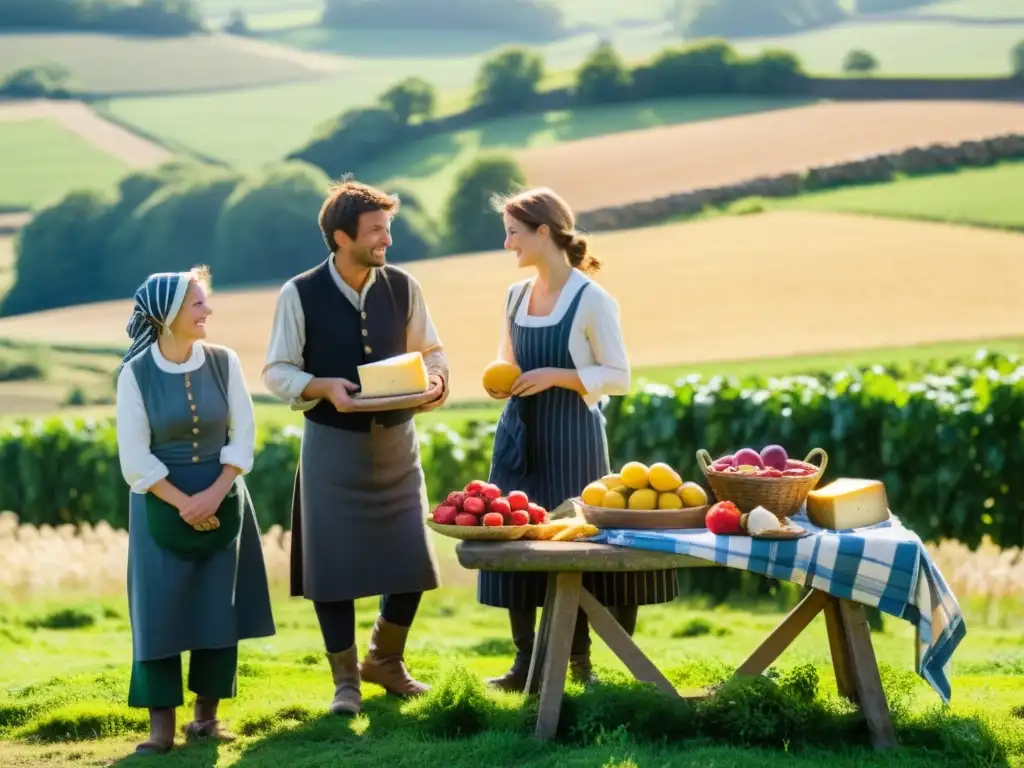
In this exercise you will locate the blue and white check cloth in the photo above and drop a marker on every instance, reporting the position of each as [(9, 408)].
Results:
[(884, 565)]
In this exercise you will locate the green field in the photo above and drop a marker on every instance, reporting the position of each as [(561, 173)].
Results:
[(903, 48), (972, 9), (428, 168), (42, 160), (121, 64), (988, 197), (62, 695)]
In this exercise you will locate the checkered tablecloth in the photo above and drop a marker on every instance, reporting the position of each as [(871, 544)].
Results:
[(884, 565)]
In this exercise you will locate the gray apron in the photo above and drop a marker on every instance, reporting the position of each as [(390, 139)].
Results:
[(178, 605)]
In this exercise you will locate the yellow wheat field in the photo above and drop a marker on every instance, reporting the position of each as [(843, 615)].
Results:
[(775, 284), (90, 561), (638, 165)]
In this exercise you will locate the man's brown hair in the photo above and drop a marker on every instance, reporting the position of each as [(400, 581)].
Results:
[(345, 203)]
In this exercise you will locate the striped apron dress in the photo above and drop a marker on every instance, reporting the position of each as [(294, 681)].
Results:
[(560, 444)]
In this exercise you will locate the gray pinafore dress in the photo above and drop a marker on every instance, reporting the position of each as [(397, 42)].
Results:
[(551, 445), (178, 605)]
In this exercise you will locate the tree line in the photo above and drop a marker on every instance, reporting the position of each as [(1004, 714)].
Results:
[(152, 17)]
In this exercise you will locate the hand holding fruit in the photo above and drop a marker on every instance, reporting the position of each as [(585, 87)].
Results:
[(536, 381), (499, 376)]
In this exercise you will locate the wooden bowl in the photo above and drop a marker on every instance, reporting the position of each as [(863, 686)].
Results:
[(643, 519)]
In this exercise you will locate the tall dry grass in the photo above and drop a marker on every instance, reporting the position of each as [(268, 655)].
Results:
[(90, 561)]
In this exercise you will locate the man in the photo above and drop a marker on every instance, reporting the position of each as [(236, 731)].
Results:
[(360, 499)]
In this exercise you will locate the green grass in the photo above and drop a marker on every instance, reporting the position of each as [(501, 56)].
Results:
[(62, 697), (903, 48), (113, 64), (972, 9), (42, 160), (985, 197), (428, 168)]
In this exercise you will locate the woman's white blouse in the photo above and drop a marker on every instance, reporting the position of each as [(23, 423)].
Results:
[(140, 468), (595, 341)]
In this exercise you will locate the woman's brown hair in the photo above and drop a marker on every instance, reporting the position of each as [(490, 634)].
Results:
[(543, 206)]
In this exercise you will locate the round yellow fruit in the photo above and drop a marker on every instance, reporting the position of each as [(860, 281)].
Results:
[(692, 495), (663, 477), (594, 494), (611, 480), (669, 500), (634, 474), (644, 498), (499, 376), (614, 500)]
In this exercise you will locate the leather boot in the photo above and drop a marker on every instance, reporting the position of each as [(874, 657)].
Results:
[(206, 725), (348, 699), (384, 663), (514, 680), (161, 732)]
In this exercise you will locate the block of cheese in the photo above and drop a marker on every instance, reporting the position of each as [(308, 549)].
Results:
[(848, 502), (399, 375)]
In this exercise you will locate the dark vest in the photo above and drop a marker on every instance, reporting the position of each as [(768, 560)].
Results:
[(339, 337)]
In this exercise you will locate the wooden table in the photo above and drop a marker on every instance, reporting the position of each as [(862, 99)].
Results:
[(849, 638)]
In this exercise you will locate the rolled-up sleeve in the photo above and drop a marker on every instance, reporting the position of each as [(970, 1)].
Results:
[(283, 373), (241, 446), (609, 373), (139, 467)]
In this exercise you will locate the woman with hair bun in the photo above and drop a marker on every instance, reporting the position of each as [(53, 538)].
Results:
[(562, 329)]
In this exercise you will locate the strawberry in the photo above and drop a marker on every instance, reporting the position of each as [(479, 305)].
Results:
[(464, 518), (490, 491), (493, 519), (538, 514), (474, 506), (445, 515), (518, 500), (474, 486), (499, 505), (455, 499), (520, 517)]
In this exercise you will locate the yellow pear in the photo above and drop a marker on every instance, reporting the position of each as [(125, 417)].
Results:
[(634, 474), (669, 500), (644, 498), (663, 477), (499, 375), (594, 494), (692, 495), (614, 500)]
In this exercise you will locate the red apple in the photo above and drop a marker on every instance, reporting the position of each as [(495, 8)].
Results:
[(723, 518), (493, 519), (464, 518)]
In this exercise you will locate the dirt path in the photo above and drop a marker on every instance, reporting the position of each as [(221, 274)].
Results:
[(129, 148)]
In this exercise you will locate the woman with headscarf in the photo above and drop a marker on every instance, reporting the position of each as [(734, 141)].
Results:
[(196, 577)]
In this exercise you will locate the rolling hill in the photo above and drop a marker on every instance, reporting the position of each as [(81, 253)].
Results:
[(777, 284)]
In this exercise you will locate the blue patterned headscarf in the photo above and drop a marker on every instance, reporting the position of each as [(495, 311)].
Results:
[(157, 302)]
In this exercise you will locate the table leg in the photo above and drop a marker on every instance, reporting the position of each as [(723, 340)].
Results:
[(557, 646), (540, 643), (783, 635), (841, 663), (622, 645), (864, 670)]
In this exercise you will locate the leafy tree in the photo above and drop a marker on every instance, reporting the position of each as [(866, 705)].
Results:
[(509, 80), (471, 222), (1017, 59), (603, 77), (409, 98), (859, 60)]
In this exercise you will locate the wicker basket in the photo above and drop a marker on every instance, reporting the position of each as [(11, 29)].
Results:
[(780, 495)]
